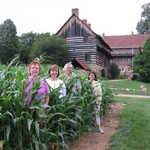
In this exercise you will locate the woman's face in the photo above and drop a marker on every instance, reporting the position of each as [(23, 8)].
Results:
[(54, 73), (34, 70), (91, 76)]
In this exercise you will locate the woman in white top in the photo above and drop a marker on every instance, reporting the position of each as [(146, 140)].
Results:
[(54, 82)]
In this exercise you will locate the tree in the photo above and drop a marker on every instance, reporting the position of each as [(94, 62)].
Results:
[(144, 24), (26, 41), (142, 63), (8, 41), (52, 48)]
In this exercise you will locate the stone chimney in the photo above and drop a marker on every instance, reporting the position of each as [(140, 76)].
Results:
[(84, 21), (75, 11)]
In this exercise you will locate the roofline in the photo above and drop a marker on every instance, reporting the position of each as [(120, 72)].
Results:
[(64, 24), (77, 18), (126, 47), (147, 33), (103, 41)]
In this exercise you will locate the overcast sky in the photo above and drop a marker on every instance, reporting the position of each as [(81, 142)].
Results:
[(111, 17)]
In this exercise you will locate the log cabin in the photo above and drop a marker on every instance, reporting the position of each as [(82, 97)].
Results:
[(85, 46)]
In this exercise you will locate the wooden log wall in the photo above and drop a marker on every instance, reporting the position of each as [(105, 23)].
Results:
[(79, 47), (100, 58), (83, 42)]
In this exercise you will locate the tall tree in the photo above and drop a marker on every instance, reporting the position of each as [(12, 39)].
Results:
[(25, 45), (52, 48), (26, 41), (142, 63), (8, 41), (144, 24)]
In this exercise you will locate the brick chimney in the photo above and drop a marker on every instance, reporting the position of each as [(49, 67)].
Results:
[(84, 21), (132, 33), (89, 25), (75, 11)]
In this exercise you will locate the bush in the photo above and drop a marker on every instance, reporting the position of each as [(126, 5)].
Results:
[(142, 63), (135, 76), (52, 48), (103, 74), (114, 71)]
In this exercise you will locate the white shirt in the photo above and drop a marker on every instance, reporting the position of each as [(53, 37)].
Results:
[(54, 84)]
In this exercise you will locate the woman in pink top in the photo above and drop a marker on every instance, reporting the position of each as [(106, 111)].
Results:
[(28, 85)]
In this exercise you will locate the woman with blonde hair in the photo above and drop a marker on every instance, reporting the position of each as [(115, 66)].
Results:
[(54, 82)]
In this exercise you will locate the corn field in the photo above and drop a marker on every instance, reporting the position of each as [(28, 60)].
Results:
[(64, 121)]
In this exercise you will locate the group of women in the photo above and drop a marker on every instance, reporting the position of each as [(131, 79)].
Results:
[(53, 82)]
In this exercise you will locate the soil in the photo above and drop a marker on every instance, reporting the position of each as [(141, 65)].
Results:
[(96, 141)]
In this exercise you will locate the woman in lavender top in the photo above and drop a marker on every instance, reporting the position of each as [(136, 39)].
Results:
[(28, 84)]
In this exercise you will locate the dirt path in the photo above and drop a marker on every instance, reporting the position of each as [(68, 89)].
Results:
[(97, 141), (119, 80), (136, 96)]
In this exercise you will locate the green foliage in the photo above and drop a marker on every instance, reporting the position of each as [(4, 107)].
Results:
[(19, 125), (142, 63), (64, 119), (144, 24), (103, 74), (127, 87), (8, 41), (106, 101), (68, 116), (133, 132), (30, 45), (114, 71), (52, 48), (25, 46)]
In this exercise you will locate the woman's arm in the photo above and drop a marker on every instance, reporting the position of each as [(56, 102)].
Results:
[(99, 100), (98, 92), (46, 100)]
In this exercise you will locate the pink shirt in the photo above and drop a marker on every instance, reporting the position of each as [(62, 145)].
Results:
[(43, 89)]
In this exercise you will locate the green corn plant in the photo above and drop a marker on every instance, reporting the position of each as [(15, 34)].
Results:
[(19, 125), (69, 116), (106, 100), (65, 118)]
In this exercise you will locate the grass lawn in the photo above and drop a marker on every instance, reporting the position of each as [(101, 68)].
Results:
[(127, 87), (134, 129)]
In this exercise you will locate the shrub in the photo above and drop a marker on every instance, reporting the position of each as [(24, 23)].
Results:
[(142, 64), (114, 71)]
